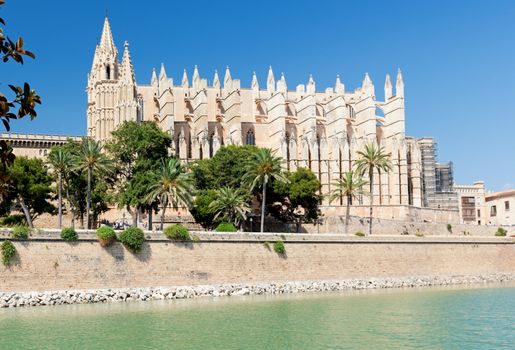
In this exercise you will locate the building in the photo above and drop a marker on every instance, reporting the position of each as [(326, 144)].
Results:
[(472, 204), (35, 145), (320, 130), (501, 208)]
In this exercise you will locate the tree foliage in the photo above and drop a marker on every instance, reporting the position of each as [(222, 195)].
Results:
[(262, 168), (201, 210), (372, 158), (75, 181), (29, 186), (296, 200), (225, 169), (231, 205), (137, 150), (172, 186)]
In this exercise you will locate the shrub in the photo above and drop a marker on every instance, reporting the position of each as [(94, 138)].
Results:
[(266, 244), (13, 220), (501, 232), (177, 232), (132, 238), (69, 234), (279, 247), (226, 227), (8, 251), (20, 232), (449, 228), (419, 234), (106, 236), (359, 234)]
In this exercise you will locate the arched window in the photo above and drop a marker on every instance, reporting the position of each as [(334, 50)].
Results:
[(352, 112), (250, 138), (108, 72)]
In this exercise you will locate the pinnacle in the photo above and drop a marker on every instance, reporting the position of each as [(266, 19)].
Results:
[(106, 41)]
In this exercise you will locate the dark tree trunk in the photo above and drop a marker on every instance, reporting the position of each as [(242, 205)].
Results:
[(163, 217), (26, 212), (263, 208), (88, 200), (60, 200), (371, 175), (347, 214)]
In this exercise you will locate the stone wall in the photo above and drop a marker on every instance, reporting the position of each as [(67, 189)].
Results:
[(395, 227), (47, 263)]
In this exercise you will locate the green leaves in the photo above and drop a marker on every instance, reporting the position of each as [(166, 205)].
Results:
[(231, 204), (350, 186), (262, 167), (296, 200)]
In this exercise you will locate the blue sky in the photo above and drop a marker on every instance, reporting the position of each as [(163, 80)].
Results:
[(458, 59)]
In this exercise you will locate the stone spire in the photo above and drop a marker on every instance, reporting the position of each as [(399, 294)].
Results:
[(339, 88), (387, 88), (195, 80), (105, 61), (185, 82), (162, 72), (311, 86), (126, 68), (399, 84), (164, 82), (216, 80), (270, 81), (255, 83), (367, 85), (106, 41), (281, 84), (153, 81), (227, 78)]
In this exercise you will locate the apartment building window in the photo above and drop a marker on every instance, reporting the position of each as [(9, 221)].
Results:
[(493, 210), (507, 205)]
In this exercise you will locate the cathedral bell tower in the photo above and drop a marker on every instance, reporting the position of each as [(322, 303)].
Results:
[(112, 91)]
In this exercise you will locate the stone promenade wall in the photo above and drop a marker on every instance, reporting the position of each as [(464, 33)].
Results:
[(47, 263), (396, 227)]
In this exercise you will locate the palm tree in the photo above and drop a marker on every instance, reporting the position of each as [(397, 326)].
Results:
[(91, 159), (231, 204), (61, 162), (263, 167), (372, 158), (350, 185), (171, 186)]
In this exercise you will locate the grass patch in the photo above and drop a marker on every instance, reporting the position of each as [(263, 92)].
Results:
[(501, 232), (21, 232), (279, 248), (359, 234)]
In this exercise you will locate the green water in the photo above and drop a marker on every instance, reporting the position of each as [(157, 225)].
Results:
[(475, 318)]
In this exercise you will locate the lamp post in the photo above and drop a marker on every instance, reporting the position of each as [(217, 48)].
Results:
[(251, 224)]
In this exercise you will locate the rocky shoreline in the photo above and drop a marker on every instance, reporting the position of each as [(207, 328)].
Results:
[(14, 299)]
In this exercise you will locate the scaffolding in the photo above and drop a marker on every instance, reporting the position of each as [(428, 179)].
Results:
[(436, 178)]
